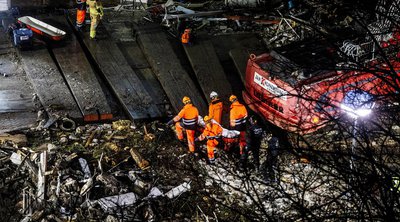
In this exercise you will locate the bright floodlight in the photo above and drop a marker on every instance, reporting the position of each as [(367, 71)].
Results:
[(357, 103)]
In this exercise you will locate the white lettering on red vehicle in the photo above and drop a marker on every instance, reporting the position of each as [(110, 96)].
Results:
[(270, 87)]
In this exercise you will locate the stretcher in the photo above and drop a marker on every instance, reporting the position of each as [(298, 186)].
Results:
[(42, 28)]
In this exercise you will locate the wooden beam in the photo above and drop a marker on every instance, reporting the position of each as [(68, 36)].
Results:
[(48, 82), (208, 69), (78, 73), (168, 68), (139, 64), (123, 81)]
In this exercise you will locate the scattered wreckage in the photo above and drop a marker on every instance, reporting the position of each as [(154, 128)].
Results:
[(109, 172), (88, 174)]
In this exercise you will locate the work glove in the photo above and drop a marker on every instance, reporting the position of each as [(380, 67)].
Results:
[(197, 139), (170, 123)]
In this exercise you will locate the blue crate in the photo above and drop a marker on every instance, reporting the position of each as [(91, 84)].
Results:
[(22, 37)]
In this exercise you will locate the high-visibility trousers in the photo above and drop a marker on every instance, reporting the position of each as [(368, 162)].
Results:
[(211, 144), (94, 22), (185, 38), (80, 17), (189, 134), (242, 142)]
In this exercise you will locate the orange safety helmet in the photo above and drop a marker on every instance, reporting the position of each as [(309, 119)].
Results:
[(232, 98), (207, 119), (186, 100)]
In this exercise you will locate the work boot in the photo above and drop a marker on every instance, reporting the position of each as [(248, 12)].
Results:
[(211, 161), (93, 39)]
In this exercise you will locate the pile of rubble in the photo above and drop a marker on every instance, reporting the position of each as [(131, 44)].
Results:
[(89, 172), (122, 171)]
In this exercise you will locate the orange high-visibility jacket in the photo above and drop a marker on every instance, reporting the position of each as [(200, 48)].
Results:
[(215, 110), (80, 12), (185, 37), (238, 115), (212, 130), (189, 115)]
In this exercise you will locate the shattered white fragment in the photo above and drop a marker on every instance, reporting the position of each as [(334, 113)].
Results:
[(230, 133), (184, 10), (110, 204), (88, 186), (174, 192), (85, 169), (51, 147), (154, 192), (16, 158)]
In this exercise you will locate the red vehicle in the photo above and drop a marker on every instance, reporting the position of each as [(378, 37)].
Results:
[(300, 87)]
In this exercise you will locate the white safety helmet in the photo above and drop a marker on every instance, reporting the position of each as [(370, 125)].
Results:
[(213, 95)]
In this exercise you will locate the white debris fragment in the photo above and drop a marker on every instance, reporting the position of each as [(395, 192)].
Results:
[(174, 192), (16, 158), (155, 192), (110, 204), (51, 147), (85, 169), (209, 182)]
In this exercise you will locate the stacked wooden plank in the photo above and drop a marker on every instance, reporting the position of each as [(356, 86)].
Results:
[(17, 110), (174, 79), (49, 83), (238, 48), (120, 29), (240, 57), (123, 81), (207, 67), (139, 64), (78, 74)]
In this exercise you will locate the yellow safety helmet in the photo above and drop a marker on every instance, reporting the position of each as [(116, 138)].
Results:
[(186, 100), (207, 119), (232, 98)]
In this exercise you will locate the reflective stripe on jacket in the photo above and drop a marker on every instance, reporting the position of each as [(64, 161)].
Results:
[(238, 115), (189, 115), (211, 130)]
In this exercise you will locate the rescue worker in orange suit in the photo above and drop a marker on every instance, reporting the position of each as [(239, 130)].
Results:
[(185, 38), (212, 131), (80, 13), (215, 107), (96, 14), (186, 119), (238, 116)]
